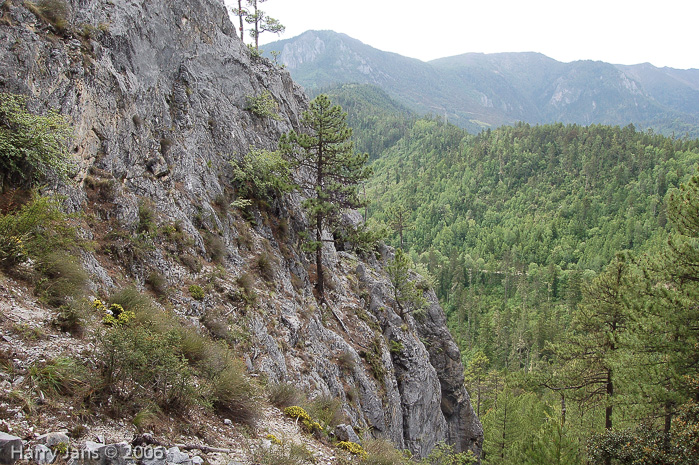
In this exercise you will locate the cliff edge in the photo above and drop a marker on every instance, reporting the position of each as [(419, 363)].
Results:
[(158, 95)]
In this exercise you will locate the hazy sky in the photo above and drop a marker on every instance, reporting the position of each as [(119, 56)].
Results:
[(664, 33)]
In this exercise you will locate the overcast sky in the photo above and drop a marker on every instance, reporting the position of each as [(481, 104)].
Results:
[(664, 33)]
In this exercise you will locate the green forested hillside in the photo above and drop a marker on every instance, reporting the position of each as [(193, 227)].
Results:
[(519, 226), (378, 121), (515, 218)]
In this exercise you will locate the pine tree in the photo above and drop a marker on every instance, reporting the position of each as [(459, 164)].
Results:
[(331, 171), (475, 375), (261, 22), (553, 444), (406, 294), (665, 336), (399, 220), (592, 352)]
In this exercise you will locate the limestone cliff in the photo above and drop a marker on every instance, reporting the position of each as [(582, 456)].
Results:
[(158, 95)]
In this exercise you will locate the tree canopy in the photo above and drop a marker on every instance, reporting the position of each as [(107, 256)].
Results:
[(564, 258), (330, 170)]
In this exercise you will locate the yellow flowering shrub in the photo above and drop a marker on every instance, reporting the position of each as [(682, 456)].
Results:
[(12, 251), (300, 414), (352, 448), (115, 315), (297, 412)]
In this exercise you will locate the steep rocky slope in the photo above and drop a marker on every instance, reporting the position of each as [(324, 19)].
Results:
[(158, 95)]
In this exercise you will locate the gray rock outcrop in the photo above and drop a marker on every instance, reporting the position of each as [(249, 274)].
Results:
[(53, 439), (42, 455), (95, 453), (346, 433), (158, 96), (11, 449)]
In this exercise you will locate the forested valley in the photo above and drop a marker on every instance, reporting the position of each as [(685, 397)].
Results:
[(567, 260)]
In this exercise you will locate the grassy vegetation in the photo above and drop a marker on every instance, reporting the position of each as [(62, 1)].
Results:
[(33, 230), (54, 12), (283, 453), (225, 385), (62, 376), (148, 363)]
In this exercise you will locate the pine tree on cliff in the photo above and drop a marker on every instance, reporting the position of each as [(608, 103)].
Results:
[(330, 171), (262, 22)]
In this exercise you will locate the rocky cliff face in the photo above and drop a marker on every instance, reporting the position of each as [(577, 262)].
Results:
[(157, 93)]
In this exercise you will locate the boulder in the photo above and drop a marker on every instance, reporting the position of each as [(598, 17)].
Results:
[(149, 455), (51, 439), (346, 433), (95, 453), (42, 455), (175, 456), (11, 449)]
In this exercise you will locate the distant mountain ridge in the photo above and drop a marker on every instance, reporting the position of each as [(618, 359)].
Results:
[(477, 90)]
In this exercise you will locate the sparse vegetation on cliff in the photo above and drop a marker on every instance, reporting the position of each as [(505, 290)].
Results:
[(162, 213), (31, 146)]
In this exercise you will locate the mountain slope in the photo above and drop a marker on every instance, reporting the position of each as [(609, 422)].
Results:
[(520, 215), (478, 90), (319, 59), (158, 95), (377, 120)]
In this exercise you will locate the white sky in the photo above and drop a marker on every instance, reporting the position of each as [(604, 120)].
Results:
[(664, 33)]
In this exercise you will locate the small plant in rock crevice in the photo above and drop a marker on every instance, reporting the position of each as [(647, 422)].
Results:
[(196, 292), (265, 263), (301, 415), (31, 146), (284, 395), (114, 314), (61, 279), (327, 410), (263, 105), (261, 175), (396, 347), (34, 230)]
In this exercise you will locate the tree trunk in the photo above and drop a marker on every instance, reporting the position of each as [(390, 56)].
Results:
[(478, 398), (608, 410), (563, 410), (669, 409), (320, 166), (504, 432), (240, 15), (257, 31), (319, 257)]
